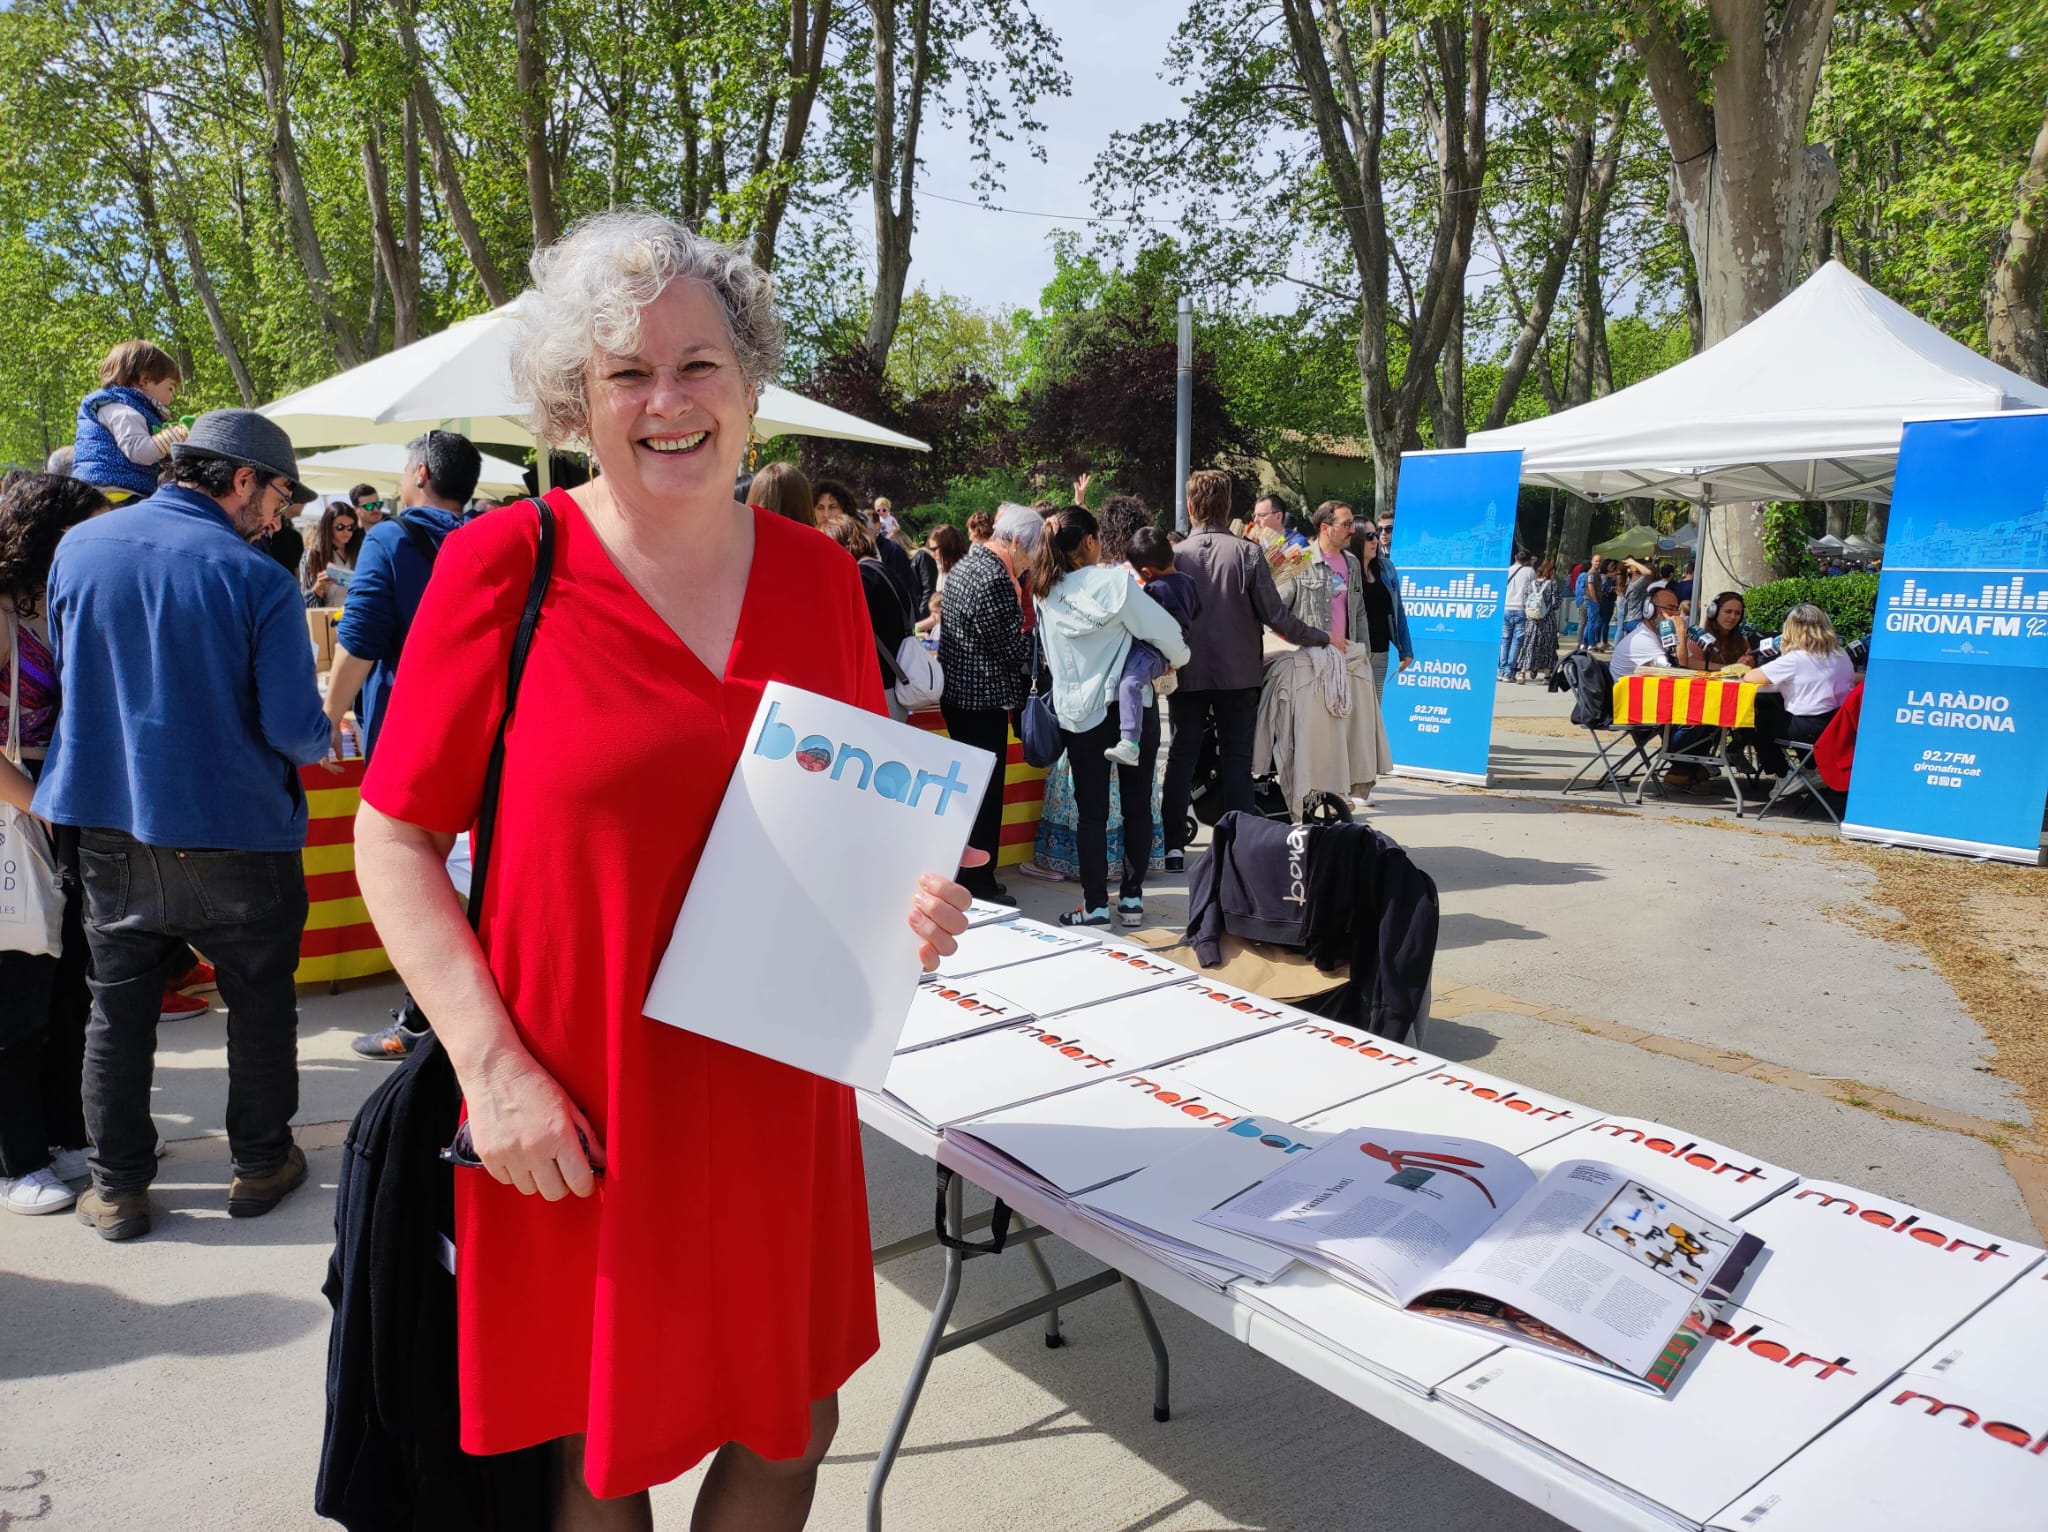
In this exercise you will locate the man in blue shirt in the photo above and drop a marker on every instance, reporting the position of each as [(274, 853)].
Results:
[(189, 705), (392, 567), (392, 570)]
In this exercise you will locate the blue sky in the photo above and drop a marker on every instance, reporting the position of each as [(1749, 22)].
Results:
[(1113, 51)]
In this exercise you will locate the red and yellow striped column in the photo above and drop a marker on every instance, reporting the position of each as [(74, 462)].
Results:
[(1023, 796), (339, 941)]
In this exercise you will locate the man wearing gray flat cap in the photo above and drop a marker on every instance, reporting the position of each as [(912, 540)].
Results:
[(189, 705)]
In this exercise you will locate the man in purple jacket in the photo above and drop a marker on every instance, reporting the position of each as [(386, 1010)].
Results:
[(1221, 681)]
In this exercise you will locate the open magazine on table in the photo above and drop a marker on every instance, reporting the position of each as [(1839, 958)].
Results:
[(1852, 1288), (1585, 1262)]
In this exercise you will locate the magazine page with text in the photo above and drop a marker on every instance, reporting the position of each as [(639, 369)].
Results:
[(1386, 1207), (1600, 1267)]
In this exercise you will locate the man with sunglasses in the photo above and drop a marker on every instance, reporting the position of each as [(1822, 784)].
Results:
[(189, 706), (369, 504)]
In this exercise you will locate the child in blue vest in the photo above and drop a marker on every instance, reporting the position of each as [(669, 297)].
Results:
[(125, 432)]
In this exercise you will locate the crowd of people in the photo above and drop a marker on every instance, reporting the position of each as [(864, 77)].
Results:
[(1803, 676), (162, 700), (1114, 613)]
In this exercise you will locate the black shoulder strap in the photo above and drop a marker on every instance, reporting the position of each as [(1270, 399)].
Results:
[(494, 771), (427, 549), (417, 536)]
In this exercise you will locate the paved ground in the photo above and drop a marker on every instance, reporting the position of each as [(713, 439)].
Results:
[(1616, 958)]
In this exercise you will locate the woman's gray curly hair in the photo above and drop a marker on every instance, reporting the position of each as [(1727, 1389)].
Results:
[(588, 290)]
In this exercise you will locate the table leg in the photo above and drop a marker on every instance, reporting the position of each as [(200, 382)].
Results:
[(1053, 1339), (920, 1368), (1162, 1408), (1652, 768), (1728, 770)]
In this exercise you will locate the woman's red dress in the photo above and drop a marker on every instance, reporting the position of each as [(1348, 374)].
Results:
[(719, 1280)]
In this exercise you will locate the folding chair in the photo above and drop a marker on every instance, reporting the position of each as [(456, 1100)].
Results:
[(1801, 775), (1619, 767)]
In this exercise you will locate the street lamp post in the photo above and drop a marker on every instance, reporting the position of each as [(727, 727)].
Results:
[(1184, 412)]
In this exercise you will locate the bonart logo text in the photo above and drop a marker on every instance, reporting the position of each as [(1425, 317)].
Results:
[(891, 779)]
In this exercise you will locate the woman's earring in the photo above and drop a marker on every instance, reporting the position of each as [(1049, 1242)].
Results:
[(753, 446)]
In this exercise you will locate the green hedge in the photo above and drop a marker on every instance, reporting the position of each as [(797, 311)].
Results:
[(1850, 600)]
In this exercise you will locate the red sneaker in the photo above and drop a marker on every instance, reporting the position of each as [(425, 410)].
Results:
[(199, 976), (177, 1007)]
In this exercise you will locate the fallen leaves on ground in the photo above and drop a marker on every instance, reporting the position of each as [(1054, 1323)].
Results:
[(1984, 926)]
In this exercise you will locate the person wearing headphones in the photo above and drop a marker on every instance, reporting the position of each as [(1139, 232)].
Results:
[(1663, 637)]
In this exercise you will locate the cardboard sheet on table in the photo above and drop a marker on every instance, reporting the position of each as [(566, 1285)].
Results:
[(1836, 1307), (1461, 1102), (1174, 1021), (1953, 1442), (1101, 1132), (944, 1009), (1161, 1205), (1017, 1062), (1706, 1175), (1734, 1416), (1257, 966), (1000, 944), (1916, 1455), (809, 873), (1849, 1257), (982, 912), (1304, 1069), (1066, 981), (1405, 1348)]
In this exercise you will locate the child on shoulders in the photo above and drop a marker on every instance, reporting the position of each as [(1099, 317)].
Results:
[(124, 429)]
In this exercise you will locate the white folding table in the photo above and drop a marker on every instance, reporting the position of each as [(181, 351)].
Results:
[(1575, 1498)]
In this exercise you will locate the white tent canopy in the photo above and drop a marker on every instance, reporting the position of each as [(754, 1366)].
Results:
[(382, 463), (1806, 402), (460, 379)]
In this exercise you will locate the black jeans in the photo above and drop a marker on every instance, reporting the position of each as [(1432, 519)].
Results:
[(1091, 806), (246, 911), (989, 728), (43, 1006), (1237, 715), (1774, 723)]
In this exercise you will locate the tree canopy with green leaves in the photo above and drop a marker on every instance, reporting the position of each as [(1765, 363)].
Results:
[(1401, 220)]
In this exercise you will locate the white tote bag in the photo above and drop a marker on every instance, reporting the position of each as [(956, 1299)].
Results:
[(31, 901)]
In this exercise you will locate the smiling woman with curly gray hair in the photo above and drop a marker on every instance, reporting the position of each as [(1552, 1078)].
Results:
[(711, 1294)]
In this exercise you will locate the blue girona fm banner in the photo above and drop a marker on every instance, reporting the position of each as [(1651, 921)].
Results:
[(1454, 526), (1952, 748)]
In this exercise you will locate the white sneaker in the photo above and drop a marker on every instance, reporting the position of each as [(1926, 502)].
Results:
[(1124, 752), (40, 1191), (71, 1164)]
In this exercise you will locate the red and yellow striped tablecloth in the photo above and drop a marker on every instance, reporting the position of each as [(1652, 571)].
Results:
[(1653, 699), (1023, 796), (339, 942)]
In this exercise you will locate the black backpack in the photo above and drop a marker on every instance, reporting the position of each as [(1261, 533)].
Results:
[(391, 1453), (1591, 684)]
